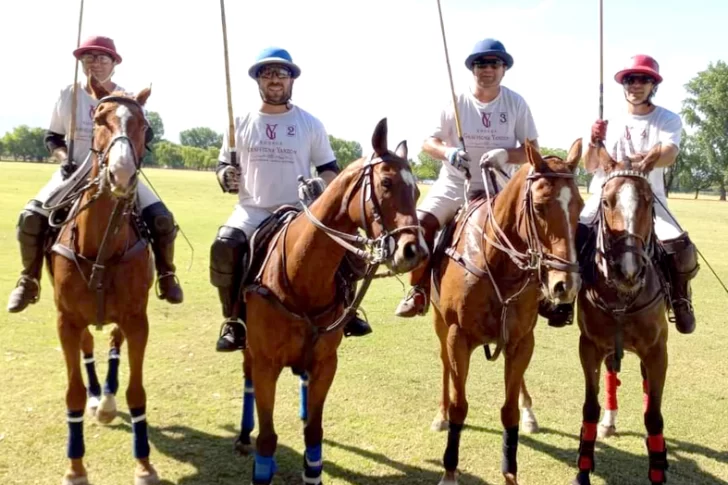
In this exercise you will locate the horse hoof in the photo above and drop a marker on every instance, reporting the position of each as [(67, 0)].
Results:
[(439, 424), (92, 405), (146, 476), (529, 424), (510, 479), (106, 411), (71, 480), (606, 431), (242, 448), (448, 480)]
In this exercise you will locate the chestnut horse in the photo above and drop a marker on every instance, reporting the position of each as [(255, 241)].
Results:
[(622, 303), (295, 311), (509, 251), (102, 270)]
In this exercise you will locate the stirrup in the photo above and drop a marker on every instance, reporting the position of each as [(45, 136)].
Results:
[(23, 280), (168, 274), (229, 321)]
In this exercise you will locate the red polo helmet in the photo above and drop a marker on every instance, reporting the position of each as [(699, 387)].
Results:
[(98, 43), (640, 64)]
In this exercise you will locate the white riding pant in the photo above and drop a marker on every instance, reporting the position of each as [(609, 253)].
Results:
[(145, 196), (666, 226)]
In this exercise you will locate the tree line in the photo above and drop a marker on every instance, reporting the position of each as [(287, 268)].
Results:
[(702, 163)]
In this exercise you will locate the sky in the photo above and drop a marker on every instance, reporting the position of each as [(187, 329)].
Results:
[(361, 60)]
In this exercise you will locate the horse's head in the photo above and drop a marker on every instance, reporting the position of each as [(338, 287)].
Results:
[(386, 202), (625, 220), (552, 208), (118, 137)]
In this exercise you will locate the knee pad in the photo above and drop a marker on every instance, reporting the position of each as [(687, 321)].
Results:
[(160, 222), (32, 225), (228, 257), (682, 256)]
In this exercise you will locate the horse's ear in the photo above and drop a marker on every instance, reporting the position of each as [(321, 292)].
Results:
[(648, 163), (574, 155), (533, 156), (401, 150), (143, 95), (605, 160), (97, 90), (379, 138)]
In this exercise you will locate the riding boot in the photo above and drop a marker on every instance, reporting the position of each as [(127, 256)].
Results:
[(417, 301), (233, 331), (351, 270), (163, 231), (680, 265), (31, 234)]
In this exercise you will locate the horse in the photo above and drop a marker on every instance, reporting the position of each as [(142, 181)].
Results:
[(622, 304), (295, 310), (102, 270), (504, 254)]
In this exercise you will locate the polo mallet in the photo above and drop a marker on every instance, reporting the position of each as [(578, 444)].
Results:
[(231, 123), (74, 99), (454, 99)]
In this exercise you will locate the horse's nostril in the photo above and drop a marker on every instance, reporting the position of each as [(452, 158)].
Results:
[(559, 288), (410, 250)]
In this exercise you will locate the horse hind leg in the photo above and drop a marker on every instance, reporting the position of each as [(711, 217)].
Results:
[(107, 410), (94, 387), (440, 423), (243, 444), (529, 423), (70, 337), (608, 425)]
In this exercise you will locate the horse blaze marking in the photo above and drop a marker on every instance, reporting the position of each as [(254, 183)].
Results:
[(627, 203), (564, 199)]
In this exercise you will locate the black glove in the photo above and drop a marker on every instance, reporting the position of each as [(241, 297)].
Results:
[(67, 168)]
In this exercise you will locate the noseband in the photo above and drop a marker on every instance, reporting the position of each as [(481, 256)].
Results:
[(382, 247)]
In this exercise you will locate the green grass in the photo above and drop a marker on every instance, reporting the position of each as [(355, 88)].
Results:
[(377, 417)]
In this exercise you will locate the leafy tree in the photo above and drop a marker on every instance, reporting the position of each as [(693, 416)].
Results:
[(426, 167), (345, 151), (201, 137), (706, 109), (155, 121)]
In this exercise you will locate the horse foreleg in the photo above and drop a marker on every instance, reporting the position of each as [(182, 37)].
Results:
[(441, 420), (517, 359), (322, 375), (107, 408), (243, 444), (137, 333), (94, 387), (655, 366), (265, 377), (591, 361), (70, 337), (608, 424), (529, 424), (458, 351)]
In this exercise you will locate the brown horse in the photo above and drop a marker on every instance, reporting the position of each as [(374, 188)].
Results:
[(102, 270), (509, 251), (622, 303), (295, 309)]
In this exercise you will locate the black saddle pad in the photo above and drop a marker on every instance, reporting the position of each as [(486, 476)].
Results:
[(262, 237)]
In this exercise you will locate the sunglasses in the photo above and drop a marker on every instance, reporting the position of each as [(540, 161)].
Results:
[(279, 72), (91, 58), (638, 78), (483, 63)]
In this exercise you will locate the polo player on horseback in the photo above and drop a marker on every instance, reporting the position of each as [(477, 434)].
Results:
[(637, 130), (277, 142), (496, 122), (98, 57)]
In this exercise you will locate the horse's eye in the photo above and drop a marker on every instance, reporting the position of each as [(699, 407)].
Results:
[(605, 203), (387, 183)]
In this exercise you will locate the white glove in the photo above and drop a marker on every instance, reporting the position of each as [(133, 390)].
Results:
[(310, 189), (458, 158), (229, 178), (494, 158)]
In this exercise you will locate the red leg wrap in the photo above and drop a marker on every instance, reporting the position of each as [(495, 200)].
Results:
[(611, 382)]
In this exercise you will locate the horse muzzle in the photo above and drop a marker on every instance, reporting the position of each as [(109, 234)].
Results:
[(410, 251), (563, 286)]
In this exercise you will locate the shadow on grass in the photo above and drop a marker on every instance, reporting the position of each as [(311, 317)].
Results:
[(214, 460), (616, 466)]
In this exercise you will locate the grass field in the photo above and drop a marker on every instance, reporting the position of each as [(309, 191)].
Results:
[(376, 423)]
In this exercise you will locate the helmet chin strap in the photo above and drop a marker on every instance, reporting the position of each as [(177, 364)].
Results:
[(647, 101), (284, 101), (102, 81)]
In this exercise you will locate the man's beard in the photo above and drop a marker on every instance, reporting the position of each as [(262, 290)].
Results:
[(276, 99)]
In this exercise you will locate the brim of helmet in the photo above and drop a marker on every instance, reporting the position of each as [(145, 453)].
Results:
[(81, 50), (504, 56), (253, 71), (637, 70)]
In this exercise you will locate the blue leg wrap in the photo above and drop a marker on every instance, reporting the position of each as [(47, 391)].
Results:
[(510, 448), (313, 464), (303, 408), (264, 467), (94, 388), (76, 448), (452, 455), (139, 430), (112, 376), (248, 421)]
